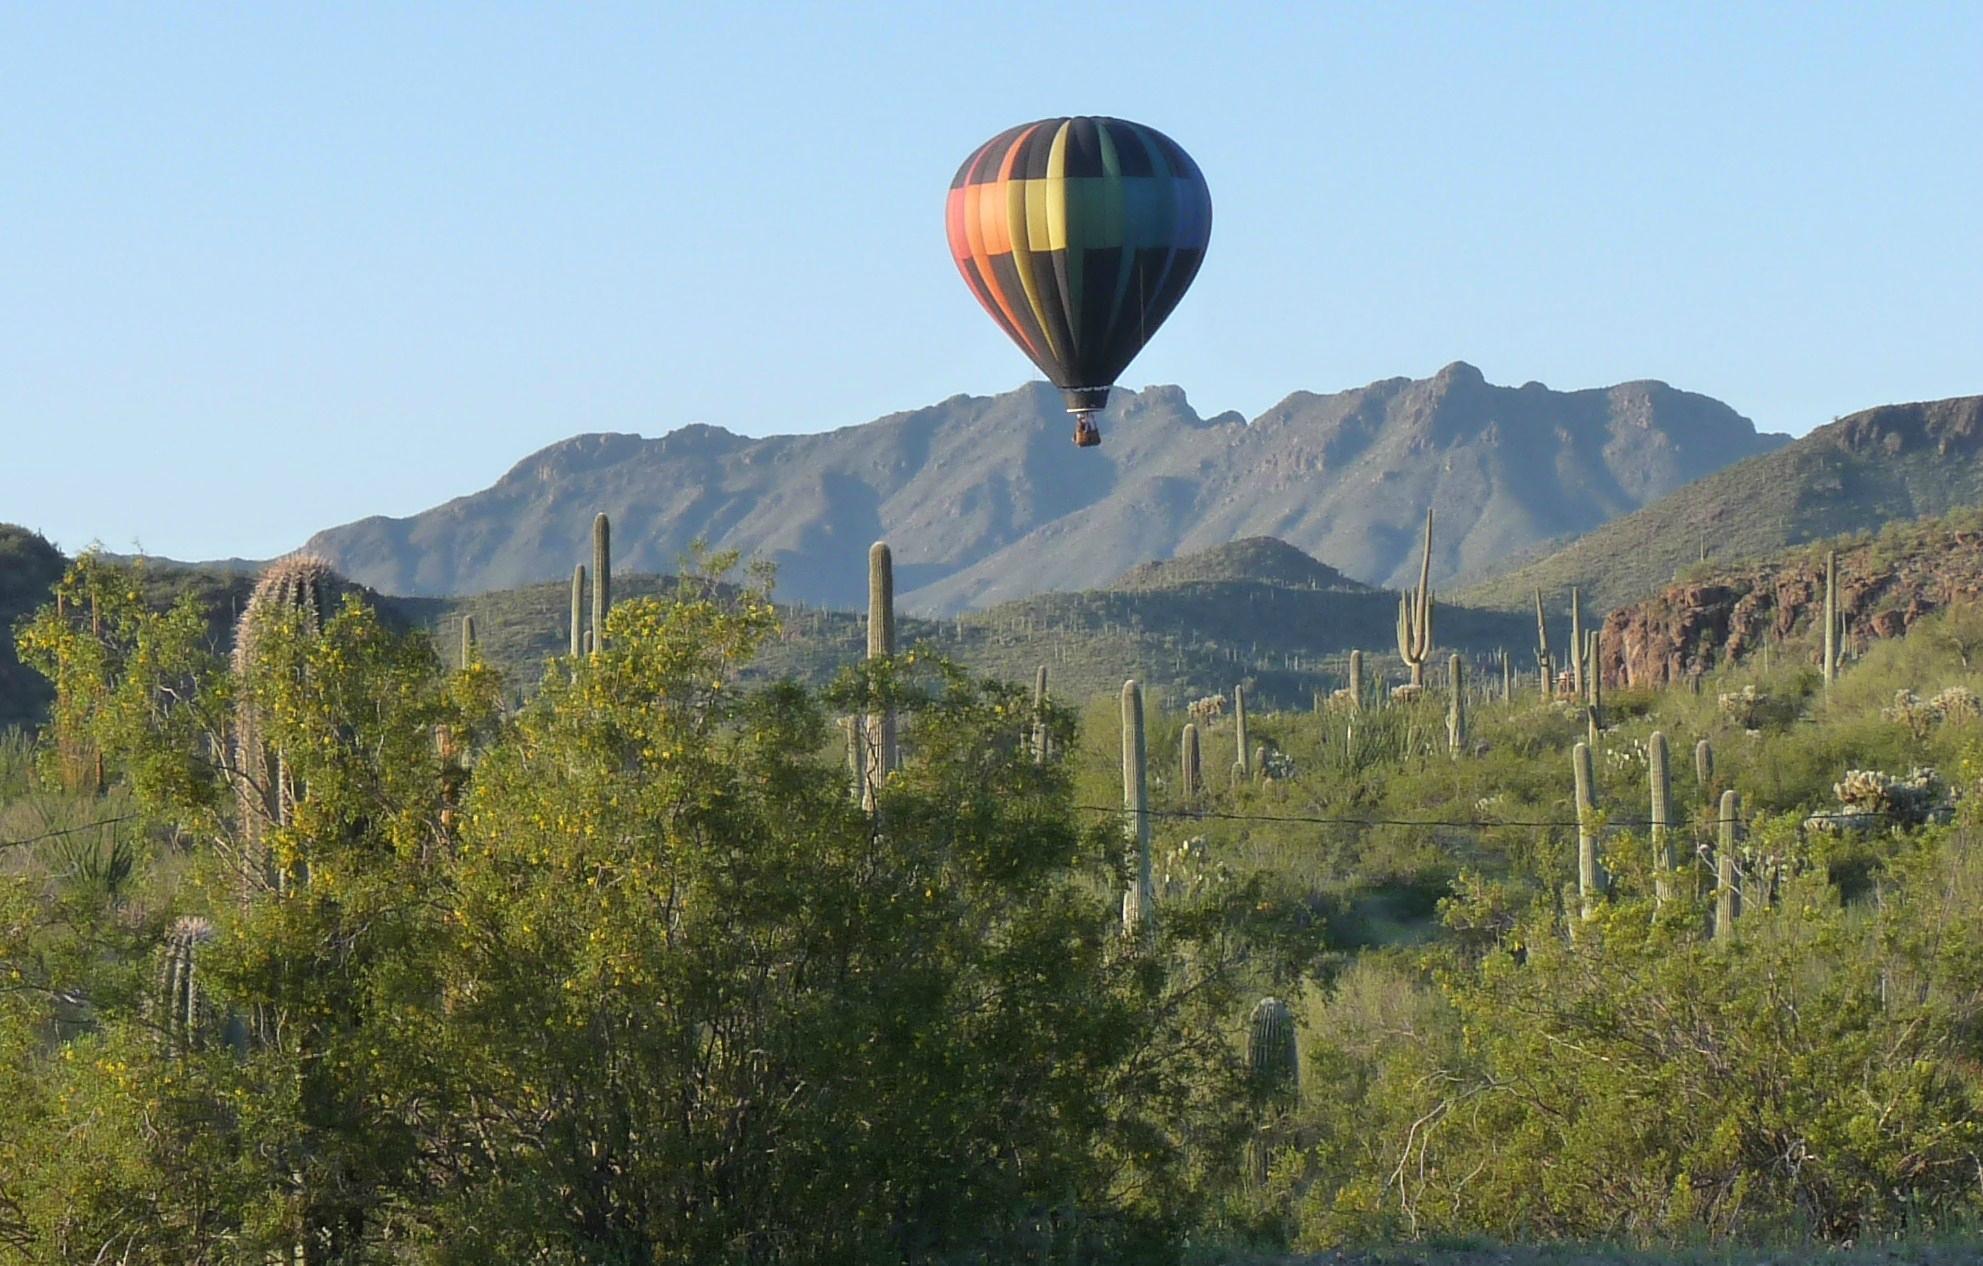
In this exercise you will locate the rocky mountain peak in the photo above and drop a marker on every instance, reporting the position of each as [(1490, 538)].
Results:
[(986, 501)]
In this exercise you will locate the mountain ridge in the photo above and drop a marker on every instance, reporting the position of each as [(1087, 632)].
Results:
[(1882, 465), (988, 502)]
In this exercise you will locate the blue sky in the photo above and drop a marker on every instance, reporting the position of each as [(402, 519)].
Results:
[(268, 268)]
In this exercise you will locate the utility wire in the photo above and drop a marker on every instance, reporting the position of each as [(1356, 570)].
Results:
[(27, 840), (1610, 821)]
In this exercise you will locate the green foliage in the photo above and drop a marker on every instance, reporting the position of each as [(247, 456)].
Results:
[(624, 976)]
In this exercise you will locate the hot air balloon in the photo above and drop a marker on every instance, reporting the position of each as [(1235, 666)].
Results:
[(1079, 235)]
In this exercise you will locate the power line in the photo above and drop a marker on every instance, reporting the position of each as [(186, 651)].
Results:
[(1609, 821), (27, 840)]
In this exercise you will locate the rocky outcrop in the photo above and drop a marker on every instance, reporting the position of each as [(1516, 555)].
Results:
[(1885, 585)]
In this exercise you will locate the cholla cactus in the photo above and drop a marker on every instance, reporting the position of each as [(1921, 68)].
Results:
[(1956, 704), (1908, 710), (1205, 711), (1188, 869), (1871, 800), (1276, 765), (1627, 758), (1409, 693), (1744, 707)]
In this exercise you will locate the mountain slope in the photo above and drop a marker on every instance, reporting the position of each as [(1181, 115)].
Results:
[(29, 568), (1257, 610), (986, 501), (1723, 614), (1892, 463)]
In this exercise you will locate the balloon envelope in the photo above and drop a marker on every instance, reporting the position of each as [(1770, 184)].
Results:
[(1079, 235)]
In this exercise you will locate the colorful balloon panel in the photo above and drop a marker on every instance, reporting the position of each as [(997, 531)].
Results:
[(1079, 236)]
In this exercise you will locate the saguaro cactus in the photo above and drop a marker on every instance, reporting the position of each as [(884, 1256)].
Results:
[(1831, 650), (1543, 662), (1356, 681), (1590, 867), (266, 788), (881, 645), (1139, 899), (1415, 615), (1662, 817), (1041, 739), (602, 579), (1272, 1051), (179, 1004), (1193, 774), (1576, 642), (578, 611), (1593, 675), (1704, 769), (1507, 678), (1456, 707), (467, 640), (1273, 1057), (1241, 770), (1727, 896), (852, 729)]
